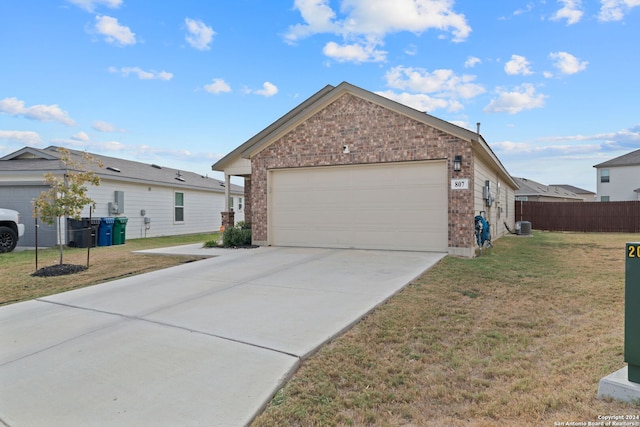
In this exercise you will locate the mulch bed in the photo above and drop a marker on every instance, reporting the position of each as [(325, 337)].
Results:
[(59, 270)]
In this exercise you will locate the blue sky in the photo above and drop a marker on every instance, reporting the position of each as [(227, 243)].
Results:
[(554, 83)]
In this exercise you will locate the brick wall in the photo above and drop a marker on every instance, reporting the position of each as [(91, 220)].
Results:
[(374, 134)]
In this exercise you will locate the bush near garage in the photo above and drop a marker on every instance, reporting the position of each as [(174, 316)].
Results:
[(237, 236)]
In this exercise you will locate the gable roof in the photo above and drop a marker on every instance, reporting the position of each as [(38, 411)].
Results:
[(629, 159), (574, 189), (533, 188), (328, 94), (31, 159)]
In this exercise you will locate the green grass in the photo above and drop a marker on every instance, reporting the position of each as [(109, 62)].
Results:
[(106, 263), (520, 336)]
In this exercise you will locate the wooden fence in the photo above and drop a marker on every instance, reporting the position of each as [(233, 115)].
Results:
[(610, 217)]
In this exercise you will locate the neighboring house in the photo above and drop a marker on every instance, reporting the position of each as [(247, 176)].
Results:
[(586, 195), (157, 201), (532, 191), (619, 179), (348, 168)]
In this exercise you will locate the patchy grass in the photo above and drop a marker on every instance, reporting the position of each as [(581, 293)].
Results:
[(520, 336), (106, 263)]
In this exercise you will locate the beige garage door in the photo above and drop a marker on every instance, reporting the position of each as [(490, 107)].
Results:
[(397, 206)]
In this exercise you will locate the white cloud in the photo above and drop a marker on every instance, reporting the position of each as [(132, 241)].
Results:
[(102, 126), (471, 62), (142, 74), (614, 10), (41, 113), (217, 86), (618, 140), (21, 136), (90, 5), (200, 35), (318, 17), (571, 11), (521, 98), (367, 22), (422, 101), (411, 50), (93, 146), (528, 8), (567, 63), (268, 89), (443, 82), (114, 32), (353, 53), (518, 65), (80, 136)]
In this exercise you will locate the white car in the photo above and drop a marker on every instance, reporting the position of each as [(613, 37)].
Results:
[(11, 230)]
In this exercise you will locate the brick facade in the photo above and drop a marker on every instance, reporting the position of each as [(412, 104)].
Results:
[(374, 134), (228, 219)]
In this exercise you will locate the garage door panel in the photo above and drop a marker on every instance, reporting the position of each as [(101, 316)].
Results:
[(399, 206)]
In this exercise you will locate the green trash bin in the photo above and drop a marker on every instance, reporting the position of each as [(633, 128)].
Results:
[(119, 230)]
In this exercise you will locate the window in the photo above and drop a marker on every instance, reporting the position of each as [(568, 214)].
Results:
[(178, 207), (239, 203), (604, 198), (231, 204), (604, 175), (522, 198)]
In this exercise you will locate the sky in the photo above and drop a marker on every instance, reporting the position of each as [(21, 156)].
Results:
[(554, 84)]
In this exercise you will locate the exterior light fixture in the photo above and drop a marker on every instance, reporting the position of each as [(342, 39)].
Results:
[(457, 163)]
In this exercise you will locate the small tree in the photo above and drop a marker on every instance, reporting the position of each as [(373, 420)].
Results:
[(67, 196)]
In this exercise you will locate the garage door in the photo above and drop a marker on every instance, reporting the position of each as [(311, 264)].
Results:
[(19, 198), (395, 206)]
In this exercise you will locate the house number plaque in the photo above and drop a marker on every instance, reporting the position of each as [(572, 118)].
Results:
[(460, 184)]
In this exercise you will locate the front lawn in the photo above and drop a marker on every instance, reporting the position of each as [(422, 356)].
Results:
[(105, 263), (520, 336)]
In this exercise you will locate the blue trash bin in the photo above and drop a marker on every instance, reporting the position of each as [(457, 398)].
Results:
[(105, 230)]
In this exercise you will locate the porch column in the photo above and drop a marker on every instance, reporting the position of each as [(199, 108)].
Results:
[(227, 191), (228, 217)]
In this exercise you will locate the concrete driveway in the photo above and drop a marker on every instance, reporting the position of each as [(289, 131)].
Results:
[(201, 344)]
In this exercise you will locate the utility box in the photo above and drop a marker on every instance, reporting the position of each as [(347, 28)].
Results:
[(632, 312)]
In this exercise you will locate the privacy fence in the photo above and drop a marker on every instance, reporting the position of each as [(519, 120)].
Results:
[(609, 217)]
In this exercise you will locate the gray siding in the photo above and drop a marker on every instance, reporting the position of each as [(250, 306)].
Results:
[(19, 198)]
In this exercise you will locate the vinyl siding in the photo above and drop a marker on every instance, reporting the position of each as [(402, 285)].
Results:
[(503, 209), (201, 208)]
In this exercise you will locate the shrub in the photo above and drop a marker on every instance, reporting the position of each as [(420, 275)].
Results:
[(236, 236), (243, 225)]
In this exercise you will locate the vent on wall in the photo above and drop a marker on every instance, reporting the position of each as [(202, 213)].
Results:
[(111, 168)]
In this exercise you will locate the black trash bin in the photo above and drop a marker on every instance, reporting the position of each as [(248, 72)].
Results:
[(95, 223), (78, 233)]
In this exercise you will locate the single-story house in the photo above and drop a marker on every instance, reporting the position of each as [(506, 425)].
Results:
[(586, 195), (156, 200), (348, 168), (618, 179), (532, 191)]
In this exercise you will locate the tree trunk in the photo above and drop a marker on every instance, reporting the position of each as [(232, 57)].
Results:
[(60, 238)]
